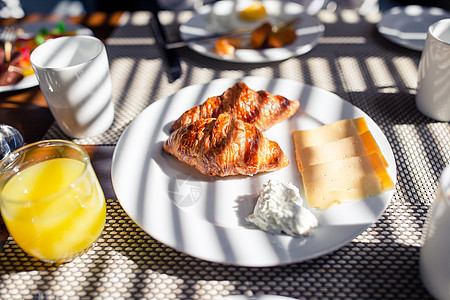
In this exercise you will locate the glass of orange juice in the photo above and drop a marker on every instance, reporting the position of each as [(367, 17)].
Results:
[(51, 200)]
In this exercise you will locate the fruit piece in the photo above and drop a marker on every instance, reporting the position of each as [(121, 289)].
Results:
[(256, 11), (223, 47), (281, 38), (39, 39), (227, 45), (260, 35)]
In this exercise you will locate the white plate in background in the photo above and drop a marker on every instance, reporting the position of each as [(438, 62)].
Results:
[(407, 26), (223, 15), (31, 29)]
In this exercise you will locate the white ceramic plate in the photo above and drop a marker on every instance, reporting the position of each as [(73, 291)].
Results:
[(223, 15), (32, 29), (26, 82), (407, 26), (205, 216)]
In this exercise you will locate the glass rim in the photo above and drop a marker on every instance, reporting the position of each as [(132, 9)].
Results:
[(61, 39), (9, 161), (432, 30)]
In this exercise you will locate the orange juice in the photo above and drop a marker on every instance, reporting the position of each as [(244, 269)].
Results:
[(54, 209)]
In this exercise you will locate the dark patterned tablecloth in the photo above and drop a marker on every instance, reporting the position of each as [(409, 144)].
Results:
[(352, 60)]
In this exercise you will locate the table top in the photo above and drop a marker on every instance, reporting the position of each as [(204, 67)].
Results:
[(351, 60)]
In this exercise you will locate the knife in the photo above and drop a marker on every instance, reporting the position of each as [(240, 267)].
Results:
[(230, 33), (170, 55)]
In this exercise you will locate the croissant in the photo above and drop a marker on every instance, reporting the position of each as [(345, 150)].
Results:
[(225, 146), (259, 108)]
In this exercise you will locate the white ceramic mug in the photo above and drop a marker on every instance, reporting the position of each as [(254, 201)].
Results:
[(73, 74), (433, 90), (435, 252)]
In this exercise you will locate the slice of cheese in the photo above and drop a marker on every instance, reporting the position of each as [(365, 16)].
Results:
[(354, 145), (330, 132), (347, 179)]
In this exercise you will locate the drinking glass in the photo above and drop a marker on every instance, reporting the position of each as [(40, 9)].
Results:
[(51, 200), (435, 252), (10, 140)]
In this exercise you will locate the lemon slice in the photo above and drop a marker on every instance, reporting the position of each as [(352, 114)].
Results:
[(256, 11)]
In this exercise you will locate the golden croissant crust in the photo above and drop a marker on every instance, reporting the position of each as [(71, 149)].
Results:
[(259, 108), (225, 146)]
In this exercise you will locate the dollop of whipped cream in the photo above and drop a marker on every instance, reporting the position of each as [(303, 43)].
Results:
[(280, 209)]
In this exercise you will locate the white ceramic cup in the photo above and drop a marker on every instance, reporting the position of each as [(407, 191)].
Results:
[(433, 89), (435, 252), (73, 74)]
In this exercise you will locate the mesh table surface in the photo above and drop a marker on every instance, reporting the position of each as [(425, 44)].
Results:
[(351, 60)]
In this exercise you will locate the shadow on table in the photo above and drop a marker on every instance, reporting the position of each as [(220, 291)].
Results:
[(353, 270)]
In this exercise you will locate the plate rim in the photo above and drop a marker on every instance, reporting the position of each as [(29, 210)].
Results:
[(26, 82), (397, 40), (298, 51), (286, 258)]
